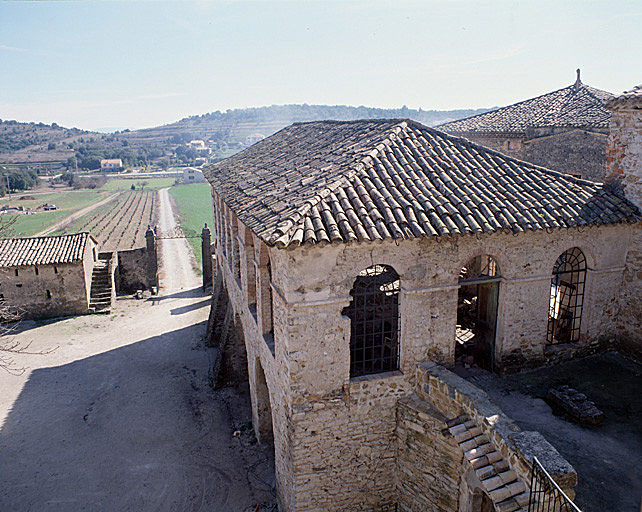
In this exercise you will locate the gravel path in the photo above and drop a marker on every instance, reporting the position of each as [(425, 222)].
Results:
[(120, 416)]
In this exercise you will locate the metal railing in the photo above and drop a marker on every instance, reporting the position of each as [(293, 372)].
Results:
[(545, 495)]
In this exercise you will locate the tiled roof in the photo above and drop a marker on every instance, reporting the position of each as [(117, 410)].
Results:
[(576, 106), (42, 250), (333, 181), (627, 98)]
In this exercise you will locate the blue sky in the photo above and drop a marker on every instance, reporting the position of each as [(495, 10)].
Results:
[(114, 65)]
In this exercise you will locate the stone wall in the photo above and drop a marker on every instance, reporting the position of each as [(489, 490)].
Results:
[(578, 152), (55, 290), (335, 436), (137, 270), (319, 279), (428, 460), (624, 163), (571, 151), (453, 396)]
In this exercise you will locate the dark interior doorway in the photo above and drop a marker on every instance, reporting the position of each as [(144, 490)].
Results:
[(477, 313)]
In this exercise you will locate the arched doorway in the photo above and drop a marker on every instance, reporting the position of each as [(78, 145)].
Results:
[(477, 304)]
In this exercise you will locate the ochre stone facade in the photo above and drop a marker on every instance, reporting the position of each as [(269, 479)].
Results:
[(50, 290), (334, 436)]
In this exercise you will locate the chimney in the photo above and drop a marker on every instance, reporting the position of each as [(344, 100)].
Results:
[(624, 145), (578, 82)]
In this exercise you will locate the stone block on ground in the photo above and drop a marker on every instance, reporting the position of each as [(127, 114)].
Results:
[(576, 405)]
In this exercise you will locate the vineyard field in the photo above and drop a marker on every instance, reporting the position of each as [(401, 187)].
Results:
[(121, 223)]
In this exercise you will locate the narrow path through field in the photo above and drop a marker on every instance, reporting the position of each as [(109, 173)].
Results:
[(121, 417), (76, 215)]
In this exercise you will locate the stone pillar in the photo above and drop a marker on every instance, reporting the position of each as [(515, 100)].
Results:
[(152, 257), (206, 252), (624, 145), (624, 175)]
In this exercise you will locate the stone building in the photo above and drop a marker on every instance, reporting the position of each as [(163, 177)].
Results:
[(357, 261), (563, 130), (48, 276)]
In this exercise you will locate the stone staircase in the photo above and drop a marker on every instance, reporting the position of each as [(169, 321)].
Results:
[(507, 492), (100, 296)]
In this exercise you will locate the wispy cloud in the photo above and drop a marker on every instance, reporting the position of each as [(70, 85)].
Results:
[(4, 47)]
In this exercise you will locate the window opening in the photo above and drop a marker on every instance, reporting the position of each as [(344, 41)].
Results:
[(48, 294), (567, 297), (55, 270), (374, 321), (477, 303), (36, 270), (16, 271)]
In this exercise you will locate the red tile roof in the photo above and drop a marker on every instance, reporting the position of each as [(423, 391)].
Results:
[(43, 250), (331, 181)]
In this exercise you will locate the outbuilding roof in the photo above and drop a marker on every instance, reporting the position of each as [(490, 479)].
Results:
[(43, 250), (632, 98), (575, 106), (332, 181)]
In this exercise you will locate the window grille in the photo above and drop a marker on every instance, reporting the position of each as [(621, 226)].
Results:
[(374, 321), (567, 297)]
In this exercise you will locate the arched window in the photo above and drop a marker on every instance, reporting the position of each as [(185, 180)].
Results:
[(374, 326), (567, 296)]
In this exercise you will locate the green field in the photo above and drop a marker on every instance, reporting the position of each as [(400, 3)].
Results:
[(194, 203), (152, 183), (68, 202)]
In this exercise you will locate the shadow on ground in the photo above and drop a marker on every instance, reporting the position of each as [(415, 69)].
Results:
[(607, 458), (136, 428)]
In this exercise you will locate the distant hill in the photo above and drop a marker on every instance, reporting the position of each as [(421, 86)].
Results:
[(234, 126), (52, 147)]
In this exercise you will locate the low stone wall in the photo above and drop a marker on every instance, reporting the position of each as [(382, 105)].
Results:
[(137, 270), (453, 396)]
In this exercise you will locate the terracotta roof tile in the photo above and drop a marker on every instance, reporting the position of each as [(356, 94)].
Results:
[(43, 250), (377, 179), (576, 106)]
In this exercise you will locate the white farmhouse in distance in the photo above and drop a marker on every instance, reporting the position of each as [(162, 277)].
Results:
[(111, 164), (200, 147), (191, 175)]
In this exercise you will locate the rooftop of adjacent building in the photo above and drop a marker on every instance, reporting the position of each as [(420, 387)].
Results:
[(575, 106), (43, 250), (338, 181)]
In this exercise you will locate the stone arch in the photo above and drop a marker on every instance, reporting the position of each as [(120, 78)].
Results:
[(262, 408), (468, 256)]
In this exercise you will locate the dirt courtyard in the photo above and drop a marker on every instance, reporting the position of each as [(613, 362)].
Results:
[(607, 457), (121, 417)]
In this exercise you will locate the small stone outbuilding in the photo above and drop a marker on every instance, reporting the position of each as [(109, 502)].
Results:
[(361, 260), (563, 130), (47, 276)]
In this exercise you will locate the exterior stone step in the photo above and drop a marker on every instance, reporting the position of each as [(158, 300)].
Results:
[(509, 505), (479, 451), (474, 442), (467, 434)]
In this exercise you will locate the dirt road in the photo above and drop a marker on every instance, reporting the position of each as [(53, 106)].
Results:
[(177, 270), (120, 417), (76, 215)]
